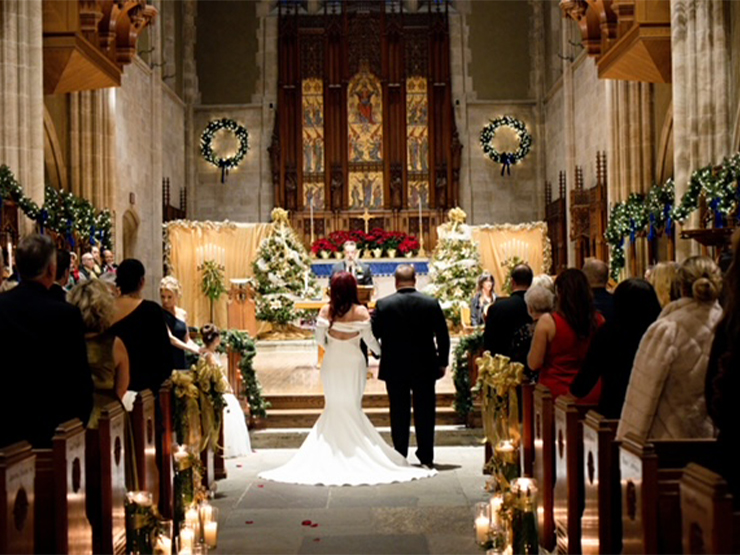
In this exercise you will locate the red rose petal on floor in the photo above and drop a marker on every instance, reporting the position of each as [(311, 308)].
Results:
[(306, 523), (249, 522), (238, 466), (317, 539), (261, 486), (314, 525)]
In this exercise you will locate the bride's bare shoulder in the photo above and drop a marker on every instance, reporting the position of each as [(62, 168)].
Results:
[(360, 313), (324, 312)]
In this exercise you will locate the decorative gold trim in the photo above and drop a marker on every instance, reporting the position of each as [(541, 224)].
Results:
[(542, 226), (189, 225)]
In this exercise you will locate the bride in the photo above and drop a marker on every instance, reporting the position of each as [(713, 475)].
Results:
[(343, 447)]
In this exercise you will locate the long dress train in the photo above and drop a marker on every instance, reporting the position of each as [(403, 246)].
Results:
[(343, 447)]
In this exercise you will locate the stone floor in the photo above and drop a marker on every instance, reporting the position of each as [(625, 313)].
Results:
[(427, 516)]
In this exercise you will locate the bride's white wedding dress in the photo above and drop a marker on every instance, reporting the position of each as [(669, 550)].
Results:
[(343, 447)]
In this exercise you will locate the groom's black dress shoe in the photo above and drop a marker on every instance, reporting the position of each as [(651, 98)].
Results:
[(428, 466)]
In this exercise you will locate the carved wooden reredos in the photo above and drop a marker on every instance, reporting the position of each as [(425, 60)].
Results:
[(364, 114)]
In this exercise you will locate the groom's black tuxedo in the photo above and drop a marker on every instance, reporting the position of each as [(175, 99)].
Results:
[(407, 324), (362, 271)]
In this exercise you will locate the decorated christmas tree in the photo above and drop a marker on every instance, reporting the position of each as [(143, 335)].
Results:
[(282, 272), (455, 266)]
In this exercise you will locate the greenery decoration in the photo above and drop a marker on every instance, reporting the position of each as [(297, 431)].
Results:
[(473, 343), (240, 342), (212, 282), (282, 273), (510, 264), (206, 144), (506, 159), (72, 217)]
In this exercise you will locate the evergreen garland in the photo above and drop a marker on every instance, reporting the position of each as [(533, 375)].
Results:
[(240, 342), (463, 403), (72, 217)]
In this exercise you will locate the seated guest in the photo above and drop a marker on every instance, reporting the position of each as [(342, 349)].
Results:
[(722, 381), (665, 396), (98, 267), (45, 358), (614, 346), (176, 319), (106, 353), (110, 265), (561, 339), (141, 326), (597, 273), (507, 315), (664, 278), (351, 264), (58, 289), (540, 301), (74, 271), (87, 270), (483, 298)]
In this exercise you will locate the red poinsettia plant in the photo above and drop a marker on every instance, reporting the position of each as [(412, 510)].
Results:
[(323, 245), (409, 245)]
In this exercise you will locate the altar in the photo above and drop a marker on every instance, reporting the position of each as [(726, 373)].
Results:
[(383, 270)]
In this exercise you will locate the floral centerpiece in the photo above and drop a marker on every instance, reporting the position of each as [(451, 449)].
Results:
[(323, 248), (376, 243), (390, 242), (409, 246)]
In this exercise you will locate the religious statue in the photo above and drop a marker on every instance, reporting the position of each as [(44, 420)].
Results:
[(336, 187), (440, 189), (396, 187)]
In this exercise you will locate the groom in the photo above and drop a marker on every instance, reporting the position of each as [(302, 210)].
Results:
[(407, 324)]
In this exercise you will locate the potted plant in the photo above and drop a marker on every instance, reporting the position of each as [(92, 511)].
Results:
[(338, 239), (409, 247), (392, 241), (323, 248)]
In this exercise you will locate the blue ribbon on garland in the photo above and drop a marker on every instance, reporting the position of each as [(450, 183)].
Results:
[(633, 227), (718, 223), (667, 210), (651, 233), (506, 161), (70, 236), (42, 220), (92, 235)]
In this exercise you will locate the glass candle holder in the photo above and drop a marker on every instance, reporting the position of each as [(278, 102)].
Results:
[(186, 540), (192, 521), (482, 523), (507, 457), (524, 537), (140, 522), (163, 544)]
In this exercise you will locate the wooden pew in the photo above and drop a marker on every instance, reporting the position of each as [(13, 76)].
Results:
[(568, 495), (527, 429), (165, 441), (106, 480), (61, 518), (17, 474), (543, 469), (143, 425), (649, 475), (600, 525), (708, 522)]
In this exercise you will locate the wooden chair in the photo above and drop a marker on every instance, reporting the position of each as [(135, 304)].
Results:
[(649, 476), (61, 517), (706, 513), (145, 448), (527, 429), (600, 528), (106, 480), (165, 441), (17, 476), (543, 469), (568, 495)]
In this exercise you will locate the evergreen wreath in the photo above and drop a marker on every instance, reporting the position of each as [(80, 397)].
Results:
[(506, 159), (206, 144)]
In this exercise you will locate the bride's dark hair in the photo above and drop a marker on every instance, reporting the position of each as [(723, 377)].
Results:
[(209, 333), (343, 295)]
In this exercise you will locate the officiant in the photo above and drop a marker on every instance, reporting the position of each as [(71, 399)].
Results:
[(351, 264)]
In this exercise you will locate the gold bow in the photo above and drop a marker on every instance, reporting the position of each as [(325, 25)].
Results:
[(279, 216)]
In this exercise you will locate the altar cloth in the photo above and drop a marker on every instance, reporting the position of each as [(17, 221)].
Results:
[(379, 267)]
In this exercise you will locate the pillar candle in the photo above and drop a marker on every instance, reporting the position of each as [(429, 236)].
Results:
[(164, 545), (187, 538), (210, 533), (482, 525)]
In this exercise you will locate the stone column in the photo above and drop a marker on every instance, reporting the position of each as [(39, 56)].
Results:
[(21, 95), (266, 93), (701, 70), (191, 96)]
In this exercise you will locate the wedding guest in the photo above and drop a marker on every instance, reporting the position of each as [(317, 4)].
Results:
[(561, 339), (362, 272), (483, 298), (597, 273), (140, 324), (612, 351), (74, 271), (59, 288), (109, 259), (176, 319), (664, 278), (545, 281), (98, 266), (540, 301), (106, 353), (665, 396), (722, 381), (45, 361), (507, 315), (87, 270)]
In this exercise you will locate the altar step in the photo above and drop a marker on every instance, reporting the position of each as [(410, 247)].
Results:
[(292, 438)]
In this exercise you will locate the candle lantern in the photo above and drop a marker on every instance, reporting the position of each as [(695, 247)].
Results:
[(524, 538), (482, 523), (141, 522), (507, 457)]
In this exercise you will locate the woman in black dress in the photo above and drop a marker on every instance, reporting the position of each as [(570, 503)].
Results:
[(483, 298), (140, 325), (176, 319)]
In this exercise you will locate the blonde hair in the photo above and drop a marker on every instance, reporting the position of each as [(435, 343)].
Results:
[(700, 279), (96, 303), (664, 279), (170, 283), (544, 280)]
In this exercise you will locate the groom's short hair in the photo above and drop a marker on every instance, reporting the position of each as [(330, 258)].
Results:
[(405, 273)]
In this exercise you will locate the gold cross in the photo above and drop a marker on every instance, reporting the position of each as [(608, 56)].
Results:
[(366, 216)]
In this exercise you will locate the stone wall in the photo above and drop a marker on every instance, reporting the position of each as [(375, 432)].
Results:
[(173, 142), (591, 129), (554, 137)]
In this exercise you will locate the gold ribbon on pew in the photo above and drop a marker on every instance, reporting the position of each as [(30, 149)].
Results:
[(187, 410), (212, 386)]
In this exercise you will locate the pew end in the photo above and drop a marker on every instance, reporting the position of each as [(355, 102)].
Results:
[(543, 468), (17, 476)]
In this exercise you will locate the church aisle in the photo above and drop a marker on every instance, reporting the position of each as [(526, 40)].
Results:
[(428, 516)]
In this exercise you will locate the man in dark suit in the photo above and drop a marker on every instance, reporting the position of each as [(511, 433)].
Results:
[(407, 324), (44, 356), (351, 264), (508, 314), (597, 272)]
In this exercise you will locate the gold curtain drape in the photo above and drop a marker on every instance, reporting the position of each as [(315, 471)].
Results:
[(240, 243), (499, 243)]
